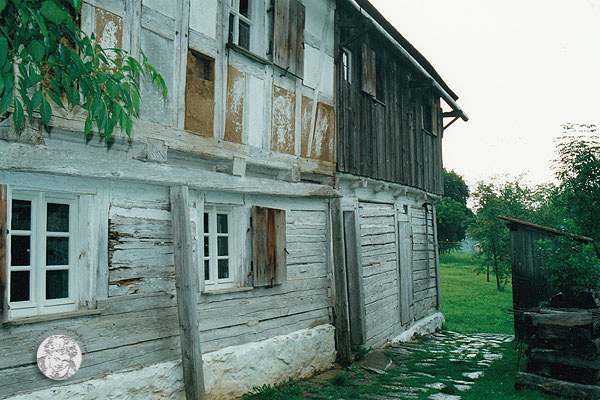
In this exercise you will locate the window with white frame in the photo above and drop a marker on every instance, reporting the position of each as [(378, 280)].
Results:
[(41, 253), (218, 247), (346, 65), (240, 23)]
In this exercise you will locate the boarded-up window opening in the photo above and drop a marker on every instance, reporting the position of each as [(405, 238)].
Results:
[(269, 241), (427, 114), (369, 67), (288, 36), (199, 94)]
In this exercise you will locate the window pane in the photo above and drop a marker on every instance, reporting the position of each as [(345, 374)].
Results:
[(206, 270), (223, 269), (19, 286), (58, 218), (244, 35), (244, 8), (57, 284), (19, 250), (223, 246), (221, 223), (57, 251), (21, 215), (205, 222), (206, 247)]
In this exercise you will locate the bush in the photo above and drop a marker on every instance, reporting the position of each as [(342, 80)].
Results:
[(574, 267)]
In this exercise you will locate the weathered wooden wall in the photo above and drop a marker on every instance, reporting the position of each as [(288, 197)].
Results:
[(135, 322), (398, 263), (381, 134)]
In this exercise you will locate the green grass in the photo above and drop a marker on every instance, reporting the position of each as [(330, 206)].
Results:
[(470, 303)]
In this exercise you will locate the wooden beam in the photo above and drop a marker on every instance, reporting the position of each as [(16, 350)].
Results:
[(3, 265), (555, 386), (340, 315), (356, 296), (436, 249), (44, 160), (186, 283)]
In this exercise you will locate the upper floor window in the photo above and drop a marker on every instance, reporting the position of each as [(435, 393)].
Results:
[(41, 253), (427, 115), (240, 23), (347, 65)]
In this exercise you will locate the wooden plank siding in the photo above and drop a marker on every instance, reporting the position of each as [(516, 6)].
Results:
[(380, 126)]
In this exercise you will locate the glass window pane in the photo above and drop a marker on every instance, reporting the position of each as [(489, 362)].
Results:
[(57, 251), (57, 284), (206, 247), (205, 222), (19, 286), (58, 218), (223, 246), (206, 270), (244, 8), (222, 223), (244, 35), (223, 269), (19, 250), (21, 215)]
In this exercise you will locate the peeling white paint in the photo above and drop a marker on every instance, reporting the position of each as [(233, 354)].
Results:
[(108, 38), (228, 373)]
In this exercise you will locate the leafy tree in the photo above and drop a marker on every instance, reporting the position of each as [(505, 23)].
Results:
[(453, 215), (46, 58), (509, 198)]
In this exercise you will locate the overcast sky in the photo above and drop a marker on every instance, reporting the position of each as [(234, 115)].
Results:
[(520, 67)]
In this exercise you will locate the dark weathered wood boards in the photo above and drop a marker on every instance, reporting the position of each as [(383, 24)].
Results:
[(381, 133), (269, 241), (555, 386), (341, 319), (187, 289)]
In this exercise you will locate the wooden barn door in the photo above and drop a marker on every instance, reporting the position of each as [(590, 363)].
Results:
[(405, 265)]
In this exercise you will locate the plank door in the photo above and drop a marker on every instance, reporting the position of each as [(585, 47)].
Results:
[(405, 264)]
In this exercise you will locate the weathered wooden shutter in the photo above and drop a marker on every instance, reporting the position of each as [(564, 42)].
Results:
[(270, 264), (3, 265), (288, 36), (369, 70)]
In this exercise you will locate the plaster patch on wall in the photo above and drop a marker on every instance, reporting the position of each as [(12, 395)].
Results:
[(109, 29), (322, 146), (234, 118), (283, 120), (199, 96), (306, 122), (228, 373)]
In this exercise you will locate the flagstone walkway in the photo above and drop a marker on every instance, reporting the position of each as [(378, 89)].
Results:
[(437, 367)]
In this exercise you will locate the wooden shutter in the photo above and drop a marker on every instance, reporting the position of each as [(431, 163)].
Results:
[(288, 36), (369, 70), (3, 265), (270, 264)]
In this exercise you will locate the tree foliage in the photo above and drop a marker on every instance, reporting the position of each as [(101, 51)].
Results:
[(46, 58), (453, 215)]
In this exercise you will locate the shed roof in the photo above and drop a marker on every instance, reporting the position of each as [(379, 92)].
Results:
[(546, 229), (373, 12)]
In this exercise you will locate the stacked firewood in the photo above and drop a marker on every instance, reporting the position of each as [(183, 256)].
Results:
[(563, 348)]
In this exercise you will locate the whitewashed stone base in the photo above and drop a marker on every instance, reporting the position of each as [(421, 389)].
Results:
[(423, 326), (228, 373)]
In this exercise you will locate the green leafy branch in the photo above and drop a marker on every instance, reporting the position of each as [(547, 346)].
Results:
[(45, 57)]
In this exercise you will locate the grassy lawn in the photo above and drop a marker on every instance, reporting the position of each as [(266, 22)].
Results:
[(471, 305)]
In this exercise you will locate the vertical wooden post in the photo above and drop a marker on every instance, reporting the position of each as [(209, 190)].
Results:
[(3, 250), (186, 282), (436, 250), (356, 297), (342, 327)]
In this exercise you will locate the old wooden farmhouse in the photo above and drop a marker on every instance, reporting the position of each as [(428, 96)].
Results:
[(277, 211)]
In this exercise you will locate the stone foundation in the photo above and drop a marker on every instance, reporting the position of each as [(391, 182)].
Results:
[(423, 326), (228, 373)]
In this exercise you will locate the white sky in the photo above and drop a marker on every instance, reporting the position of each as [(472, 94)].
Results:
[(520, 67)]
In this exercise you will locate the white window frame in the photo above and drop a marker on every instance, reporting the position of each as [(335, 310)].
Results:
[(214, 282), (37, 303), (347, 65), (234, 9)]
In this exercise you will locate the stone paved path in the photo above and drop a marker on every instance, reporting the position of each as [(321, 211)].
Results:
[(437, 367)]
